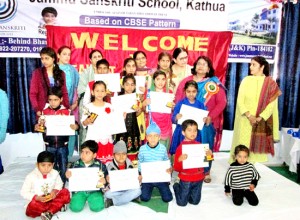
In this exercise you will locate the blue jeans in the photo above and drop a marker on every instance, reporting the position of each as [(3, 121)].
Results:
[(163, 188), (60, 159), (187, 192), (208, 137), (124, 196)]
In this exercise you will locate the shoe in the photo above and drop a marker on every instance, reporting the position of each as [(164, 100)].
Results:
[(46, 216), (108, 203), (207, 179), (137, 200)]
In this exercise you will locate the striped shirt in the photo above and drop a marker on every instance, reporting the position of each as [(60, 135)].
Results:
[(151, 154), (240, 176)]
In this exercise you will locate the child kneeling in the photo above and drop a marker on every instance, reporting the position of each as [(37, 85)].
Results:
[(188, 190), (88, 153)]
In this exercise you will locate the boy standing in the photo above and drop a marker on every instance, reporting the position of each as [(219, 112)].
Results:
[(58, 145), (241, 178), (150, 152), (43, 188), (120, 162), (88, 153), (188, 190)]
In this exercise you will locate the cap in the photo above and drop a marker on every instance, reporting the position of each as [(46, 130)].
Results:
[(153, 128), (120, 147)]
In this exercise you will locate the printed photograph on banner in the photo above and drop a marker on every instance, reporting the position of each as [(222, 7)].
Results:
[(256, 26)]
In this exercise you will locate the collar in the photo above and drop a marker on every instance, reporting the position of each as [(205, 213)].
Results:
[(154, 146)]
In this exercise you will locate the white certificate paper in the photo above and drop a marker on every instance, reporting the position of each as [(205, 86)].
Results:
[(124, 103), (196, 155), (59, 125), (140, 82), (159, 101), (84, 179), (153, 172), (115, 123), (112, 81), (123, 179), (196, 114)]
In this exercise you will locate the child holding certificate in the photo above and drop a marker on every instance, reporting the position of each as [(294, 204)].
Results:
[(120, 162), (88, 153), (58, 145), (191, 90), (43, 187), (188, 190), (163, 120), (150, 152), (96, 119), (132, 136)]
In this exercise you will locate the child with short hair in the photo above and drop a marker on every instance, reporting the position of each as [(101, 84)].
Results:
[(88, 153), (241, 178), (120, 162), (188, 190), (49, 15), (152, 151), (58, 145), (43, 187)]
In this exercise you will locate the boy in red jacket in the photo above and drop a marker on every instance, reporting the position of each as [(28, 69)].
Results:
[(58, 145), (188, 190)]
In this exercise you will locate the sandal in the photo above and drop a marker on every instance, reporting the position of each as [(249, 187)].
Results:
[(207, 179)]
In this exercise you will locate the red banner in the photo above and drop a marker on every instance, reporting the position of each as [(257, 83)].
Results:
[(116, 44)]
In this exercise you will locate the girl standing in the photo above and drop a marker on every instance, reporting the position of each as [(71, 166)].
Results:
[(163, 120), (164, 64), (72, 78), (97, 130), (44, 78), (129, 67), (132, 136), (191, 90)]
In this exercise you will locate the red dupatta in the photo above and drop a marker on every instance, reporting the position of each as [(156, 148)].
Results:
[(262, 133)]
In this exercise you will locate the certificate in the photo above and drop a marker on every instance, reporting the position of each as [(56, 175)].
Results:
[(112, 81), (196, 155), (124, 103), (154, 172), (159, 101), (140, 82), (196, 114), (115, 122), (84, 179), (124, 179), (59, 125)]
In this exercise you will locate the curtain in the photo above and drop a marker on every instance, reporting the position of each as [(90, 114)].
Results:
[(15, 75), (289, 66)]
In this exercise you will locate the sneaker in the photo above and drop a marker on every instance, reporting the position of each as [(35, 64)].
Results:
[(108, 203), (137, 200), (46, 216)]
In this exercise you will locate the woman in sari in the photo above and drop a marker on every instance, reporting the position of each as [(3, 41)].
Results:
[(211, 93), (256, 122)]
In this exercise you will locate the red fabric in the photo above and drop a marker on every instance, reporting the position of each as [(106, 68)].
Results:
[(61, 111), (122, 42), (190, 175), (105, 152), (36, 208), (38, 90), (122, 167)]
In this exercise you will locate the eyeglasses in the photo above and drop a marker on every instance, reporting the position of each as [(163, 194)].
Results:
[(142, 58)]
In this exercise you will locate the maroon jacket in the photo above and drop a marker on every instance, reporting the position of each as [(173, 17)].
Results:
[(38, 90)]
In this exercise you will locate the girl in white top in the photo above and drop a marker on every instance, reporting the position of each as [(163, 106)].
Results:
[(97, 121)]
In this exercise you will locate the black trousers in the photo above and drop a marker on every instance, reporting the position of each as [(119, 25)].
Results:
[(239, 194)]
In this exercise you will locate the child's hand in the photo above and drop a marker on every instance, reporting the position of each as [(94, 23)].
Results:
[(182, 157), (169, 171), (38, 113), (74, 126), (140, 178), (227, 194), (36, 127), (251, 187), (68, 174), (207, 120), (87, 122), (208, 152), (178, 116), (102, 180)]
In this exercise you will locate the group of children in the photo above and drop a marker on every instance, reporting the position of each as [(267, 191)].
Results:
[(44, 187)]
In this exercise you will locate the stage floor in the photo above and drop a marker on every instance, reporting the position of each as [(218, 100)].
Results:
[(278, 198)]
